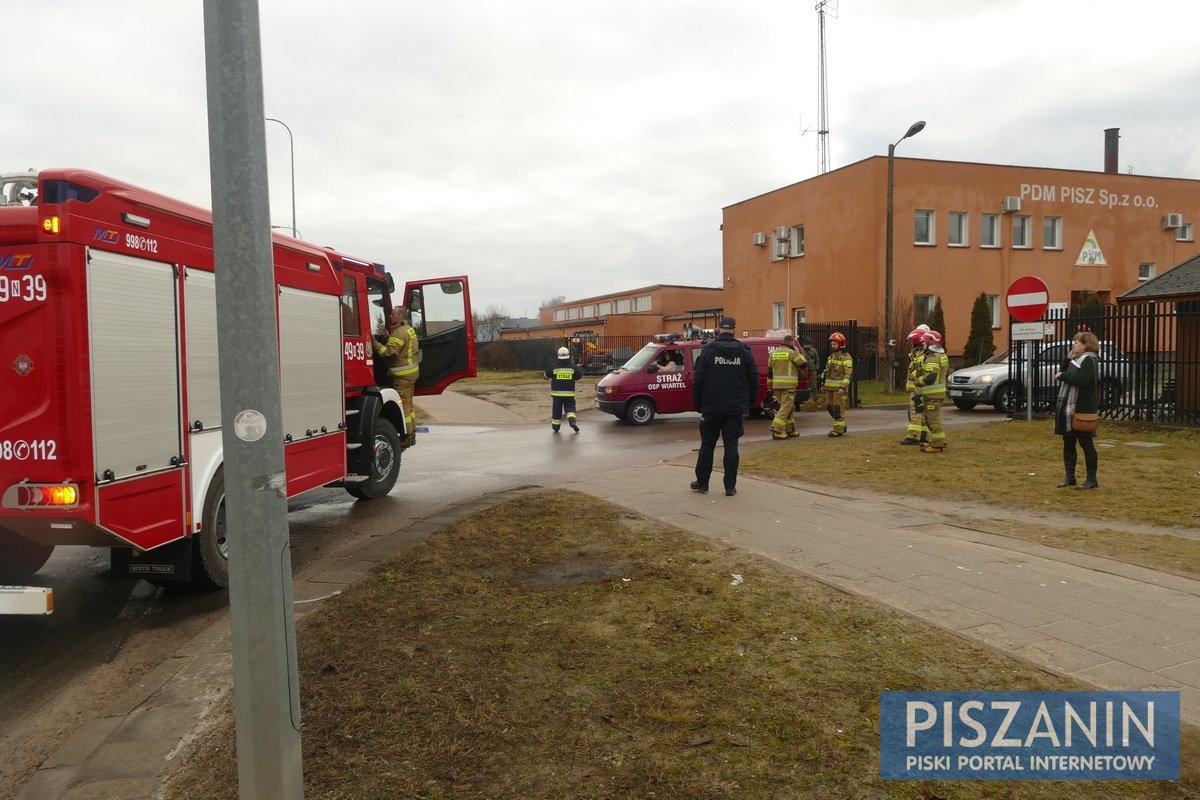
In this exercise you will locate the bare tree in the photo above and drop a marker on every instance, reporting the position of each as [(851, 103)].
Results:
[(488, 322), (554, 301)]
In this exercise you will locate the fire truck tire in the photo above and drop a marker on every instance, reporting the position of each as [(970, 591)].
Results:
[(210, 550), (385, 463), (20, 558), (639, 411)]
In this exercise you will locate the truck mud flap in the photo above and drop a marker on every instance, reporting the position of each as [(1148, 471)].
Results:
[(171, 562)]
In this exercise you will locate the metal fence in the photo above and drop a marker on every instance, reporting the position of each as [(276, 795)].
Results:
[(596, 355), (1150, 361)]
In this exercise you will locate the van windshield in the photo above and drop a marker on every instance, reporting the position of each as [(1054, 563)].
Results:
[(641, 358)]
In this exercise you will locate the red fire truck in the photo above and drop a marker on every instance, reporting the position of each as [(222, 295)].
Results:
[(110, 419)]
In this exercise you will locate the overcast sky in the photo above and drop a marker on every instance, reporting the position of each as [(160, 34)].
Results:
[(579, 147)]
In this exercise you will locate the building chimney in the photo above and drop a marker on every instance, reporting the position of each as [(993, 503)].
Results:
[(1111, 135)]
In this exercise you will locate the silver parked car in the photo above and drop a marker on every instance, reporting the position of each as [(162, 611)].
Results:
[(989, 383)]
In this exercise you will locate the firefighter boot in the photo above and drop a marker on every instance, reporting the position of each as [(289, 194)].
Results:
[(929, 448), (571, 422)]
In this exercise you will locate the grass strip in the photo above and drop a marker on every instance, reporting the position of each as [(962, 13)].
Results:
[(560, 647)]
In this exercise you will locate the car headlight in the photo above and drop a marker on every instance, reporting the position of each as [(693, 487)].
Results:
[(986, 378)]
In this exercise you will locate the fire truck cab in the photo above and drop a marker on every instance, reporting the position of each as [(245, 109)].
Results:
[(110, 417)]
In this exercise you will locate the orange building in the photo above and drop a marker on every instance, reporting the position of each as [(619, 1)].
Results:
[(640, 312), (815, 251)]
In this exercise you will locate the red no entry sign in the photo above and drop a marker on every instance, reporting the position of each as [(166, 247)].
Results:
[(1027, 299)]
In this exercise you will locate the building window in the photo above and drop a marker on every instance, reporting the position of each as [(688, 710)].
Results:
[(989, 230), (993, 301), (588, 311), (1145, 271), (641, 303), (1184, 233), (604, 308), (924, 228), (797, 243), (560, 314), (801, 317), (959, 232), (623, 306), (573, 312), (777, 316), (923, 307), (1052, 233), (1020, 232)]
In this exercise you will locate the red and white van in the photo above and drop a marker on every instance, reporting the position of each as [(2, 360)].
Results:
[(658, 380)]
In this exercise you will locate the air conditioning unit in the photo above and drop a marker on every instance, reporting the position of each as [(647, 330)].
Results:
[(782, 249), (1011, 203), (759, 239), (1172, 221), (783, 234)]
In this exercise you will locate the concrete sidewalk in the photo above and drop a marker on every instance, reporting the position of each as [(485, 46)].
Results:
[(1104, 622)]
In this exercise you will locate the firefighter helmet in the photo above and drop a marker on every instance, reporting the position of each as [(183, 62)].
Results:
[(564, 352), (916, 336), (932, 338), (838, 338)]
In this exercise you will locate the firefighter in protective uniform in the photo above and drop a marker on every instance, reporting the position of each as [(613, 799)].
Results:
[(562, 375), (839, 368), (401, 353), (932, 388), (916, 432), (783, 377)]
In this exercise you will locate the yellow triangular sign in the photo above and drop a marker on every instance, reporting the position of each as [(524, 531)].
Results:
[(1090, 255)]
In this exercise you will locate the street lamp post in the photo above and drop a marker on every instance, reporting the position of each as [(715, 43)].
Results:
[(292, 153), (889, 339)]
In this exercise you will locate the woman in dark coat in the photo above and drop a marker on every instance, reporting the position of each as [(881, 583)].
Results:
[(1077, 392)]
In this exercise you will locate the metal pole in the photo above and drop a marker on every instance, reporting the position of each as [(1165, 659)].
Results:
[(889, 344), (265, 682), (292, 153)]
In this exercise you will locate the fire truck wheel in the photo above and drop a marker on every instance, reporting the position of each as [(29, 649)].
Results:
[(639, 412), (19, 557), (210, 551), (385, 463)]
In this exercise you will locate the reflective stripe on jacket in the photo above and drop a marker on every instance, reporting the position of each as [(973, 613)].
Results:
[(937, 369), (562, 376), (400, 351), (838, 369), (916, 368), (783, 368)]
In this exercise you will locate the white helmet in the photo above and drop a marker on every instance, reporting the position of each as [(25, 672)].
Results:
[(564, 352)]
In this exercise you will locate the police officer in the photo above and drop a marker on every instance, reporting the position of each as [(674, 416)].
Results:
[(839, 368), (916, 432), (783, 375), (562, 376), (401, 353), (725, 384), (933, 391)]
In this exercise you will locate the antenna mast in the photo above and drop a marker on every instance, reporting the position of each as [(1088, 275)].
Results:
[(823, 84)]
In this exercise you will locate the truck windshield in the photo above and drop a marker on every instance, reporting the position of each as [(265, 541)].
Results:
[(641, 358)]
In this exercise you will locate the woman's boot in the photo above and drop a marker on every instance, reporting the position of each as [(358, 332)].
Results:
[(1068, 470), (1091, 461)]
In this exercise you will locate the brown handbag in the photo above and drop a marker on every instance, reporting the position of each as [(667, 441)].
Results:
[(1082, 422)]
